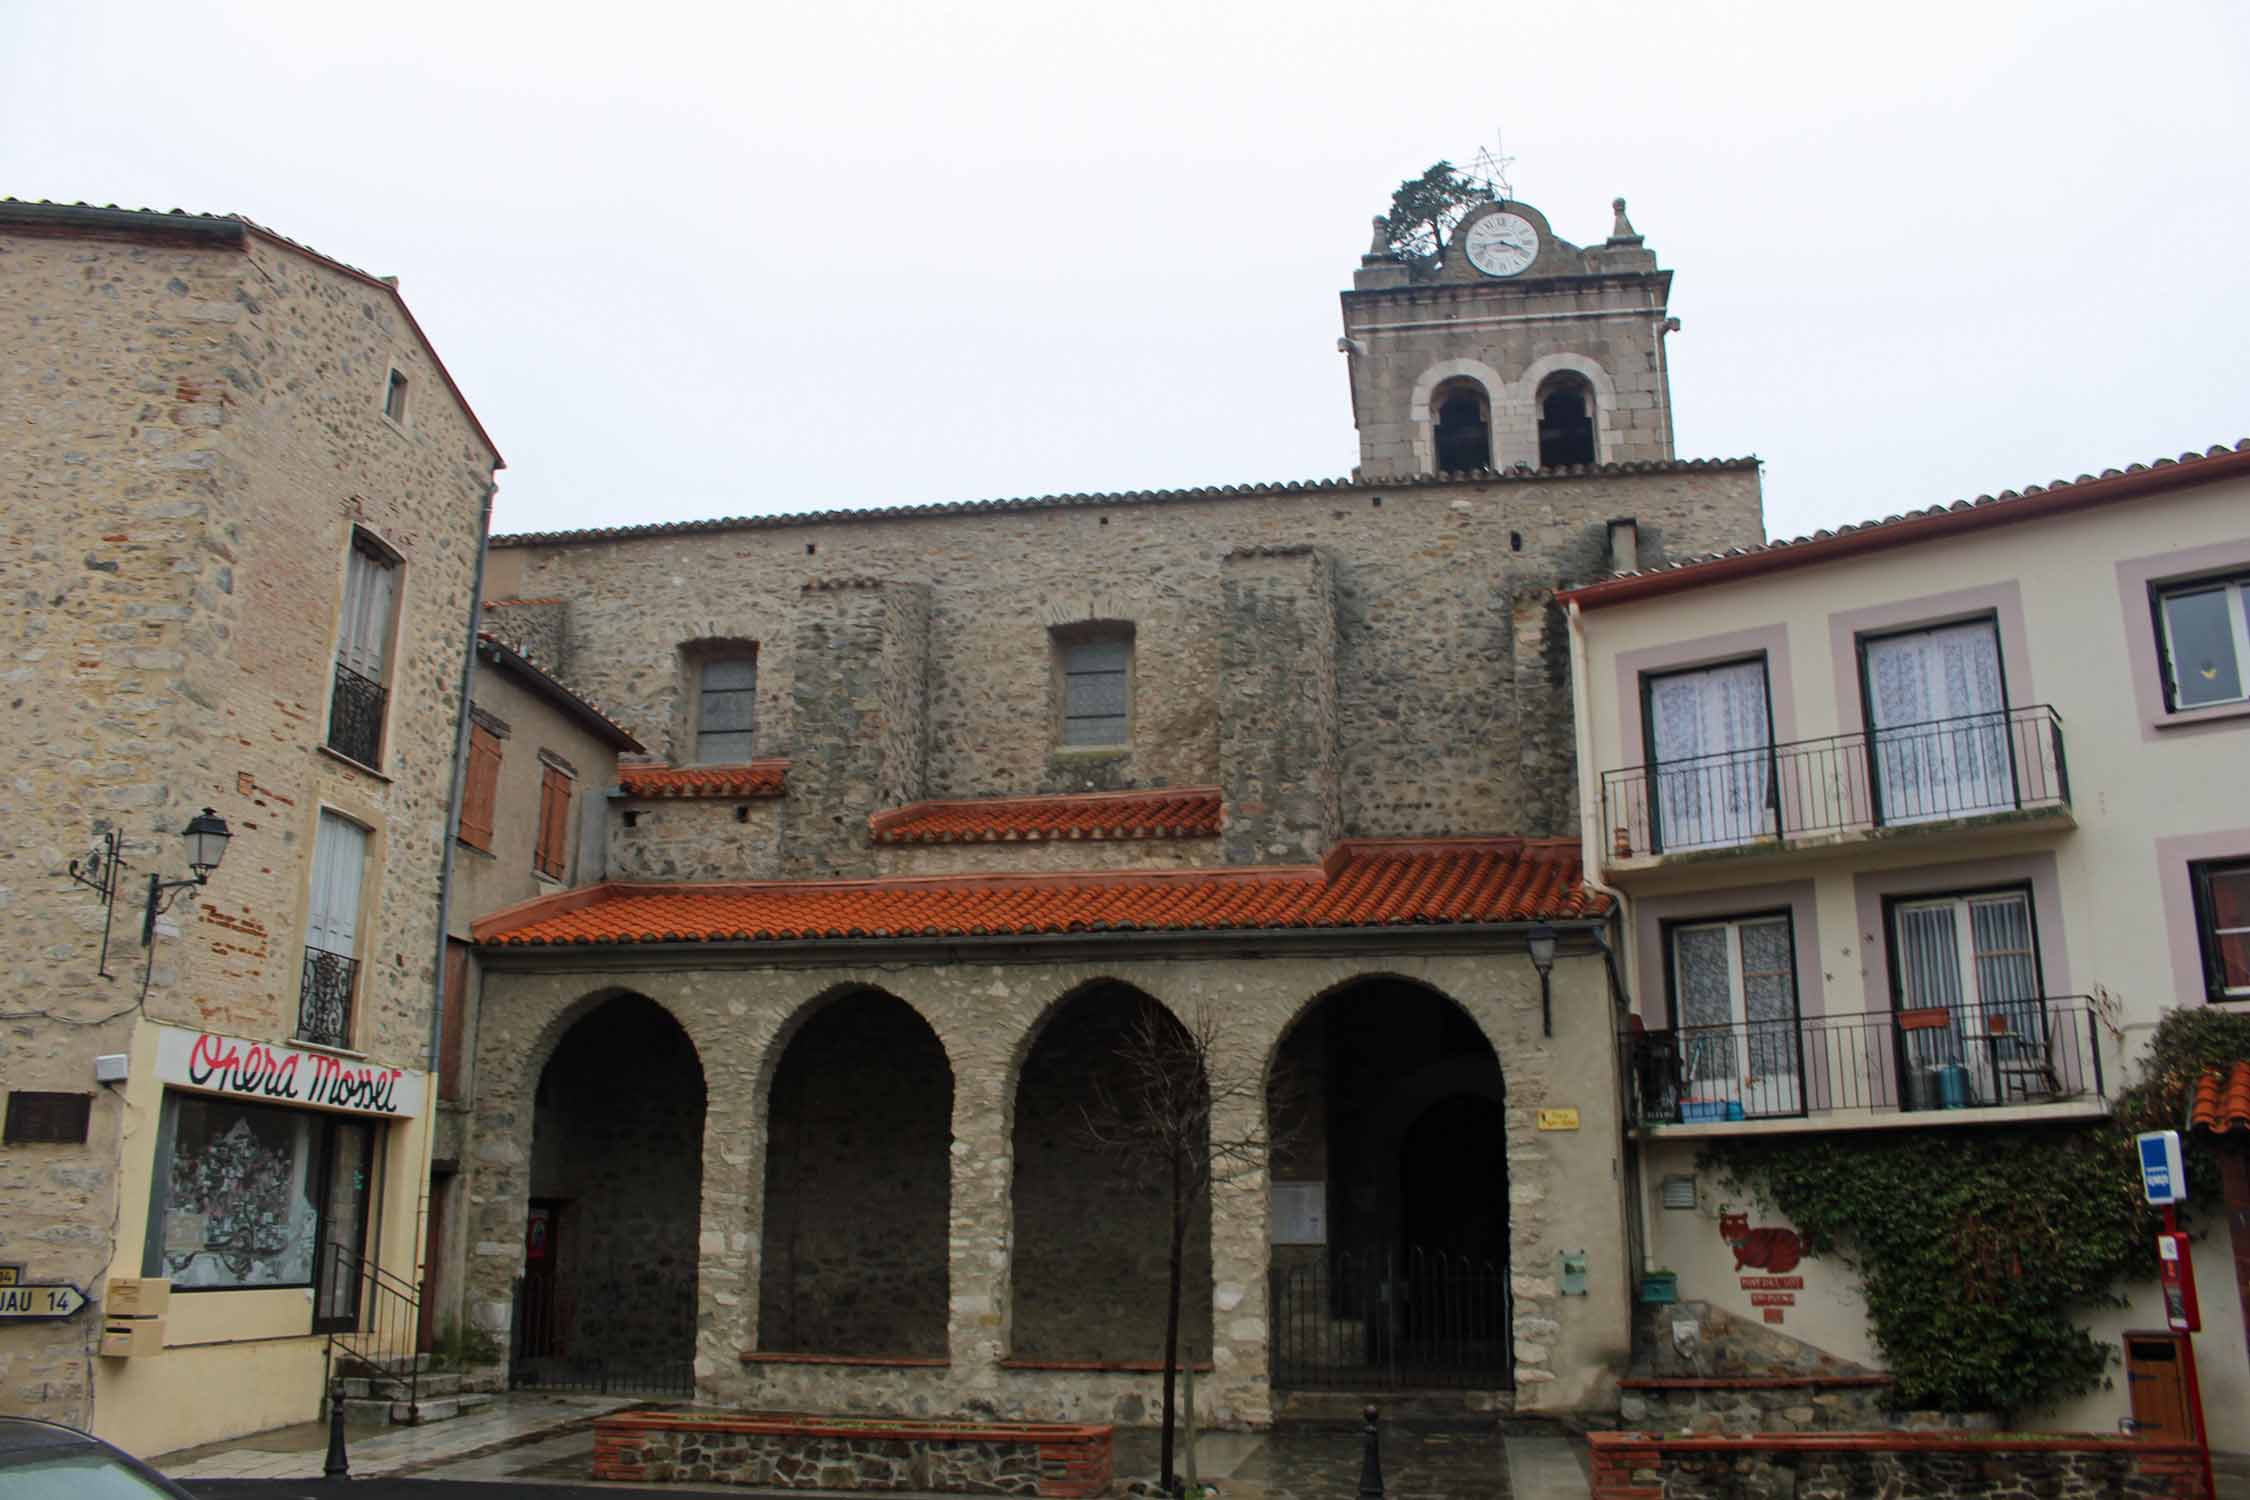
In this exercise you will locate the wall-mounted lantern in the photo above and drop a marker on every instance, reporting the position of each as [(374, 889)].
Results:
[(1542, 948), (206, 837)]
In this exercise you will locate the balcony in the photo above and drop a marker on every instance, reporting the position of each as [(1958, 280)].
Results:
[(324, 998), (1940, 1065), (355, 717), (1937, 776)]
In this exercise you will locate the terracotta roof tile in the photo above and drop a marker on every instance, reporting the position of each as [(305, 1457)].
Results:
[(759, 778), (1367, 883), (2221, 1100), (1181, 813)]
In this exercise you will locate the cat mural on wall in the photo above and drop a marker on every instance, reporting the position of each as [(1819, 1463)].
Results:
[(1768, 1249)]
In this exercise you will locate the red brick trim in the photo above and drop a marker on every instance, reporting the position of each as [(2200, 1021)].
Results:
[(1749, 1382), (872, 1361), (1102, 1366)]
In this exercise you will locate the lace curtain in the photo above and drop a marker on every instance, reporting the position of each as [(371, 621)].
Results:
[(1940, 722), (1711, 739)]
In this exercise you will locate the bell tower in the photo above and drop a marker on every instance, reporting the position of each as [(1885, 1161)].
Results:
[(1509, 349)]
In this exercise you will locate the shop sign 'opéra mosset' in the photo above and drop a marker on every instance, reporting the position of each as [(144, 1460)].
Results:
[(260, 1070)]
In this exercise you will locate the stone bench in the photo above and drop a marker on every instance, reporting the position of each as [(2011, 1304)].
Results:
[(788, 1451)]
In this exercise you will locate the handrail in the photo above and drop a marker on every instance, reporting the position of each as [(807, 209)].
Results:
[(1970, 765), (2043, 1049), (384, 1313)]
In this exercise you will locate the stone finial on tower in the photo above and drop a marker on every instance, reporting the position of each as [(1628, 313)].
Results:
[(1622, 232), (1379, 248)]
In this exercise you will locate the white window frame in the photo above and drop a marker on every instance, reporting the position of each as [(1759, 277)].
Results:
[(1760, 1096), (2237, 592), (1973, 1016)]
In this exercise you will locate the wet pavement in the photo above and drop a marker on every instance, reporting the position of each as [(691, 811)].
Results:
[(527, 1442)]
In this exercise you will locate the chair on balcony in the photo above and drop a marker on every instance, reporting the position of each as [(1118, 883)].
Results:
[(2024, 1065)]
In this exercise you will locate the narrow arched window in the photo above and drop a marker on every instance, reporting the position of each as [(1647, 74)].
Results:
[(1566, 422), (1463, 427)]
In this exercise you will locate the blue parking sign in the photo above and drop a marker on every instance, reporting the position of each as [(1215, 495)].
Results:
[(2163, 1177)]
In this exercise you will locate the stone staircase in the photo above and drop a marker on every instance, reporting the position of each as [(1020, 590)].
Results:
[(407, 1391)]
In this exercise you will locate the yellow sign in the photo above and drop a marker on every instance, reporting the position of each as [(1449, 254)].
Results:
[(11, 1274), (1558, 1119)]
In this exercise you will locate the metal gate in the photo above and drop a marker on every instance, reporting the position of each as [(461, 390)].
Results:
[(540, 1357), (1391, 1320)]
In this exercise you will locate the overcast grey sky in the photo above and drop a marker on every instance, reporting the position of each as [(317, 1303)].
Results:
[(701, 260)]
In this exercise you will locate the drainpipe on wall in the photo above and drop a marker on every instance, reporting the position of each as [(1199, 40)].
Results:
[(1589, 858), (453, 801)]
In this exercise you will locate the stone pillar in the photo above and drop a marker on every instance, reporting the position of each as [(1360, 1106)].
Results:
[(861, 732), (978, 1225), (1279, 765), (1241, 1319), (729, 1229), (1546, 750)]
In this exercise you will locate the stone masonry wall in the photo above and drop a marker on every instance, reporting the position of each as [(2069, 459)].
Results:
[(861, 652), (194, 426), (695, 838), (856, 1186), (986, 1009), (1451, 672), (1277, 706)]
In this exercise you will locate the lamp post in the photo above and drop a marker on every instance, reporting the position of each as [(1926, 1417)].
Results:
[(1542, 949)]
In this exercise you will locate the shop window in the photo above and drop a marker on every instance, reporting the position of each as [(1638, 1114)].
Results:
[(249, 1195)]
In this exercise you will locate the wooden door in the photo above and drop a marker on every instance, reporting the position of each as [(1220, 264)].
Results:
[(2158, 1389)]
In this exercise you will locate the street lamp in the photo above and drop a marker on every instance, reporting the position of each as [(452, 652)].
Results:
[(1542, 948), (206, 836)]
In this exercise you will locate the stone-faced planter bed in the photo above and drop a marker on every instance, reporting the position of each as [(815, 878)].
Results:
[(786, 1451), (1896, 1465)]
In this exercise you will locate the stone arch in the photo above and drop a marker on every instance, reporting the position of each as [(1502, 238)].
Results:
[(1392, 1236), (856, 1095), (1422, 419), (1523, 416), (613, 1193), (1090, 1272)]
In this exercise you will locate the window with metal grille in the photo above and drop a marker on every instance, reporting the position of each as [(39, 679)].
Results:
[(549, 857), (331, 970), (1097, 687), (726, 709), (361, 696), (45, 1119)]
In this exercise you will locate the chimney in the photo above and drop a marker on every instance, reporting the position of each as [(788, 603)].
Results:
[(1624, 544)]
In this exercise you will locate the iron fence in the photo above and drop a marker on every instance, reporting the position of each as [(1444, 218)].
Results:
[(1390, 1319), (355, 717), (542, 1356), (2037, 1050), (1962, 767), (324, 998)]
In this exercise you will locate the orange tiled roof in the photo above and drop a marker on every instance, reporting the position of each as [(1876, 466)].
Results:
[(2221, 1100), (1366, 883), (1182, 813), (759, 778)]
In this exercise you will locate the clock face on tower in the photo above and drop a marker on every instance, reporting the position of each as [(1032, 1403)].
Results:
[(1502, 244)]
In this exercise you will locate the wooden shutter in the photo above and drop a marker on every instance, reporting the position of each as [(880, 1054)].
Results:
[(554, 823), (339, 856), (482, 789), (370, 590)]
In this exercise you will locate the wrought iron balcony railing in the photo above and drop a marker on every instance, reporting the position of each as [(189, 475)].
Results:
[(1971, 766), (324, 999), (355, 717), (2039, 1050)]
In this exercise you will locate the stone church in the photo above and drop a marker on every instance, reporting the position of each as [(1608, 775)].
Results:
[(787, 1100)]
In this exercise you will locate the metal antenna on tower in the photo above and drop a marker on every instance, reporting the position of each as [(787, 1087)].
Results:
[(1492, 169)]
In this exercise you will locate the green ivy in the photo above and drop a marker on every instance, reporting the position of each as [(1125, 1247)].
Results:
[(1975, 1249)]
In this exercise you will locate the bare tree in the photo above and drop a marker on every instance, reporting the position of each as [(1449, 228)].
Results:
[(1186, 1113)]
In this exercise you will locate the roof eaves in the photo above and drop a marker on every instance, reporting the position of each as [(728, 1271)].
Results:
[(593, 535), (547, 686), (1962, 516)]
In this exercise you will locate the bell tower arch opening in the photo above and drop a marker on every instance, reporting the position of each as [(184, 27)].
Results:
[(1566, 421), (1461, 426)]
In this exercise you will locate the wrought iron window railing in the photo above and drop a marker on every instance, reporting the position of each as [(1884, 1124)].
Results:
[(2039, 1050), (355, 717), (1970, 766), (324, 998)]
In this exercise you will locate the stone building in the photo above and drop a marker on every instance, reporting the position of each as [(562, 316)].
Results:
[(243, 506), (787, 1100)]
